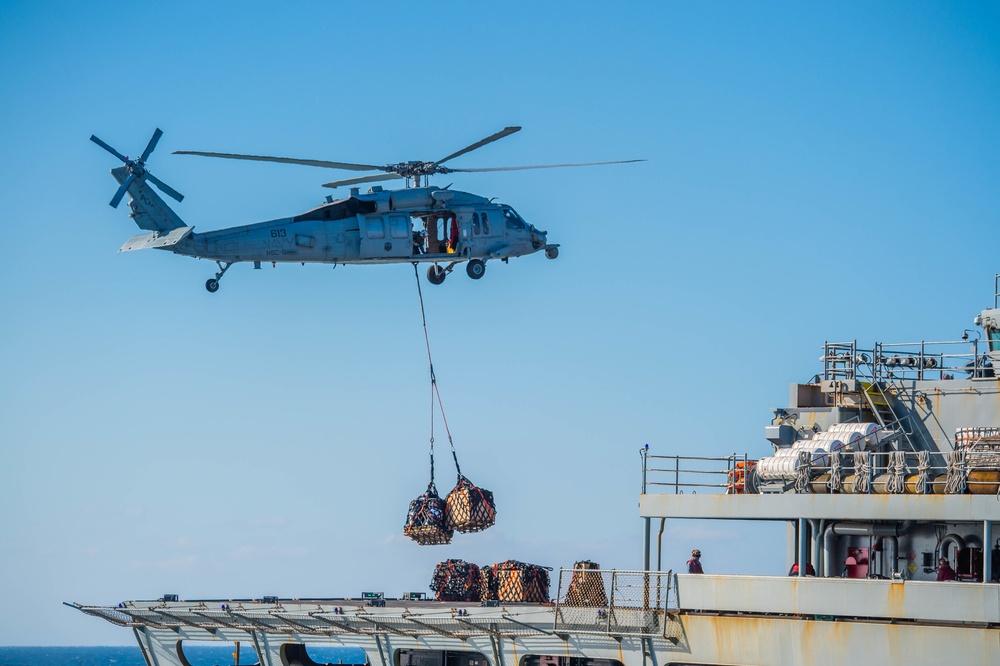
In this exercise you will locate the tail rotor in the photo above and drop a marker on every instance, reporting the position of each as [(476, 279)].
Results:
[(137, 169)]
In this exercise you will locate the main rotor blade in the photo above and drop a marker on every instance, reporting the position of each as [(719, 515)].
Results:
[(507, 131), (166, 189), (108, 148), (542, 166), (117, 199), (286, 160), (363, 179), (151, 145)]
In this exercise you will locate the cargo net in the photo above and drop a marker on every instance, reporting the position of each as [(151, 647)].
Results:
[(426, 520), (469, 508), (586, 587), (457, 580), (514, 581)]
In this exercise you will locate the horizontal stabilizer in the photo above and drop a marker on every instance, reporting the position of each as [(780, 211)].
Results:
[(156, 239)]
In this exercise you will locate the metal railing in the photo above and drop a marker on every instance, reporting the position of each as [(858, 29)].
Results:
[(977, 472), (613, 602), (693, 473), (922, 360)]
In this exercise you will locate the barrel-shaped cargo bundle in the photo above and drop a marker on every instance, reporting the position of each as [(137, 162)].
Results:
[(425, 521), (457, 580), (488, 586), (586, 588), (520, 582), (469, 508)]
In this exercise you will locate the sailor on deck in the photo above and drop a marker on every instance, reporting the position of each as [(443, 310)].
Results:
[(694, 564)]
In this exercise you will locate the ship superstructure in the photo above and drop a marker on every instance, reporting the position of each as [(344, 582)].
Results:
[(887, 461)]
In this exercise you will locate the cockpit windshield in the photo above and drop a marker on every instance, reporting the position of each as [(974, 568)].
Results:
[(514, 220)]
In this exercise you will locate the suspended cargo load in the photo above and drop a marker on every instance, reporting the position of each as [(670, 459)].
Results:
[(425, 521), (586, 588), (469, 508), (457, 580), (520, 582)]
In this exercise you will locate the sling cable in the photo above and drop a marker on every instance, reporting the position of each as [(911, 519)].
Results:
[(432, 521)]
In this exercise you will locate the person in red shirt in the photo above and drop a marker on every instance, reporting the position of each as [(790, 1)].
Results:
[(794, 571), (694, 564), (945, 572)]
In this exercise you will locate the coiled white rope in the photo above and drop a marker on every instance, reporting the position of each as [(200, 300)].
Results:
[(956, 473), (862, 473), (803, 470), (836, 473), (896, 483), (923, 472)]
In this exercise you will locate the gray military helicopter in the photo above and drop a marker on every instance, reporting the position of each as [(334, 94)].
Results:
[(420, 223)]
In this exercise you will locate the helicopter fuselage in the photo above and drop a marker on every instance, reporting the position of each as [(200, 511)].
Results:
[(418, 224)]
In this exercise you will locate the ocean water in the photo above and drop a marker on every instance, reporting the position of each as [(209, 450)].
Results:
[(212, 654)]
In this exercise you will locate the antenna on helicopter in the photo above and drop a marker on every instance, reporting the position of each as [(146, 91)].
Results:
[(408, 170), (137, 169)]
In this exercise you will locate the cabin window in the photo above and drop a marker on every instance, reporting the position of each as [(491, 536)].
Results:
[(486, 225), (994, 338), (513, 220), (375, 228), (476, 229), (399, 227)]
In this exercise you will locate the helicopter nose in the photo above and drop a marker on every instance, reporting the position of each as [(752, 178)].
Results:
[(537, 235), (538, 238)]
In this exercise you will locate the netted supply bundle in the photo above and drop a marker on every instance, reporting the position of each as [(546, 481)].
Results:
[(457, 580), (470, 508), (520, 582), (488, 587), (425, 521), (586, 588)]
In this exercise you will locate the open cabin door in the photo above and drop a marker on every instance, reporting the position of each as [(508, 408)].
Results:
[(385, 236)]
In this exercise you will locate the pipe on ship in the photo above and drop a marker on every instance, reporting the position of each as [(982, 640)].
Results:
[(859, 529), (948, 539)]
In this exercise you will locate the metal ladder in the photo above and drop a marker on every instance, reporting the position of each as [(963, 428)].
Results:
[(880, 404)]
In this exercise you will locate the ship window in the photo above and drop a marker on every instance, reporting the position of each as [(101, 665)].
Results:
[(375, 228), (551, 660), (439, 658), (994, 338)]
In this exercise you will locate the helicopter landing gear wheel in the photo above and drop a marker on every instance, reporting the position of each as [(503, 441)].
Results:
[(552, 252), (436, 274), (475, 268), (213, 283)]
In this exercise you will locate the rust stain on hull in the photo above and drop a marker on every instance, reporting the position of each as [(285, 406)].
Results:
[(759, 641)]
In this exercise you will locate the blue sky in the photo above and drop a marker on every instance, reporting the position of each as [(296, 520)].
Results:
[(817, 171)]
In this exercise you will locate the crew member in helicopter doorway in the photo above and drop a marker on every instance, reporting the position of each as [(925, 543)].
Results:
[(694, 564)]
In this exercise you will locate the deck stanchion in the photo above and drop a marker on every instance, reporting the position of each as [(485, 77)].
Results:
[(987, 552)]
